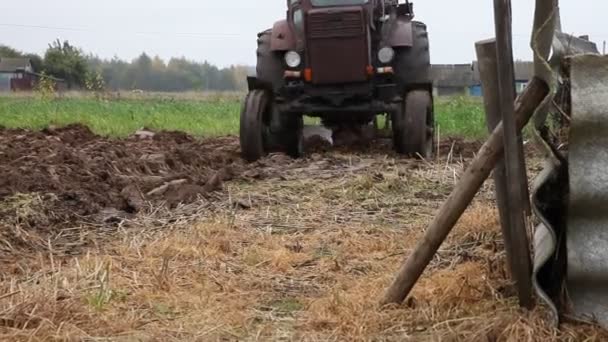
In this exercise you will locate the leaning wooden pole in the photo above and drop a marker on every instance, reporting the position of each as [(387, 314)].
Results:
[(466, 189)]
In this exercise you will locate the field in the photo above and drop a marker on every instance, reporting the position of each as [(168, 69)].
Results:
[(197, 114), (107, 235)]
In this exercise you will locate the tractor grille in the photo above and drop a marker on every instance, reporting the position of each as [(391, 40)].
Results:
[(337, 45), (335, 24)]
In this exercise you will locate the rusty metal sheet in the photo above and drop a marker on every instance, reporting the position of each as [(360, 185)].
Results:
[(587, 238)]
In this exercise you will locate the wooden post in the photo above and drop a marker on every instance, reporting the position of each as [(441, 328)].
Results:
[(469, 184), (516, 180), (488, 71)]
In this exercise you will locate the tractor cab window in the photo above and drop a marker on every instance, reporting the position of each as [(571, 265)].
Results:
[(322, 3)]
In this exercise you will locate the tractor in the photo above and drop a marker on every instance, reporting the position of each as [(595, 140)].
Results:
[(347, 62)]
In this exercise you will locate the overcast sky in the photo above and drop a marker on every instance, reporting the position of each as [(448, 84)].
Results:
[(224, 31)]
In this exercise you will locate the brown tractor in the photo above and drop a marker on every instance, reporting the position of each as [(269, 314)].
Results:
[(346, 62)]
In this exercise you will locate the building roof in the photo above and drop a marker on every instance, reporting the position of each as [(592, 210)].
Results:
[(14, 64), (452, 75), (567, 44), (466, 75), (524, 71)]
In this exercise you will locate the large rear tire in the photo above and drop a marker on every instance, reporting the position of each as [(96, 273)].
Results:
[(413, 125), (253, 125), (285, 133), (291, 135), (413, 64), (294, 144)]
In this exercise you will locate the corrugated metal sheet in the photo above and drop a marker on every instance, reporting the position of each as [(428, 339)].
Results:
[(587, 238), (570, 198)]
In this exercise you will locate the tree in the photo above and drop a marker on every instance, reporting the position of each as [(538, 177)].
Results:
[(67, 62), (36, 60), (9, 52)]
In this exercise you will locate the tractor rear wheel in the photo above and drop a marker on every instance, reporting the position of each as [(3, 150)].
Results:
[(253, 128), (413, 64), (291, 135), (413, 125)]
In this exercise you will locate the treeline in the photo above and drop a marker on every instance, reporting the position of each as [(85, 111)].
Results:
[(86, 71), (177, 74)]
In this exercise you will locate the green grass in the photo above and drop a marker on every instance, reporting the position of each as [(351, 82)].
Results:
[(120, 118), (208, 117), (461, 116)]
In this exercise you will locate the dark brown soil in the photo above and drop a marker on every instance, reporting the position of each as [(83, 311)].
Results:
[(89, 174), (457, 147), (60, 178)]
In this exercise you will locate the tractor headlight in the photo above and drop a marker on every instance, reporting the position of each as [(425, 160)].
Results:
[(293, 59), (386, 55)]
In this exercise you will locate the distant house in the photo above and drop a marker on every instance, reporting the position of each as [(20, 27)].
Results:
[(15, 71), (452, 79), (524, 71), (17, 74), (463, 79)]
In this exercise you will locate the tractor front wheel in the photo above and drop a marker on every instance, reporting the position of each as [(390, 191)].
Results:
[(253, 128), (413, 125)]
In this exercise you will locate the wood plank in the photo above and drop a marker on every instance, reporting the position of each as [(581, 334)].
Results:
[(514, 159)]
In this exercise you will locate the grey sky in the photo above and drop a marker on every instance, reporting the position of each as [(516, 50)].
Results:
[(205, 30)]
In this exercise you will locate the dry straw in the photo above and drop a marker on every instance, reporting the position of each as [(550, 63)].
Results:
[(292, 251)]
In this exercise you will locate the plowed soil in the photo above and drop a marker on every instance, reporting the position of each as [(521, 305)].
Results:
[(89, 174), (69, 177)]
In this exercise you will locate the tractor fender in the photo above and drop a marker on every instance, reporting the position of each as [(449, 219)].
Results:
[(283, 38), (400, 33)]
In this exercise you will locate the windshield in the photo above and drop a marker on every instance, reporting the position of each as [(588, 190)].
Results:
[(337, 2)]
